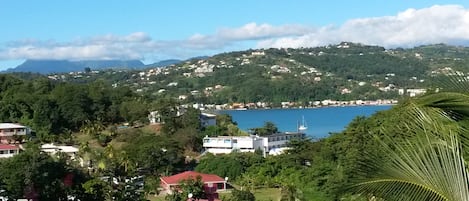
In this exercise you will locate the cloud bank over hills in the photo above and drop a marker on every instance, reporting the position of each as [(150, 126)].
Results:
[(437, 24)]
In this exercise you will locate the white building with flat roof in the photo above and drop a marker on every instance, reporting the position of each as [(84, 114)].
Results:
[(227, 144), (52, 149), (280, 140), (267, 144)]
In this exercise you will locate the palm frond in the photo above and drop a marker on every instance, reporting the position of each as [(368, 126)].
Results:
[(455, 105), (453, 82), (427, 166)]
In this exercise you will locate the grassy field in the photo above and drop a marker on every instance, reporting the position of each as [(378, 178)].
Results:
[(267, 194), (264, 194)]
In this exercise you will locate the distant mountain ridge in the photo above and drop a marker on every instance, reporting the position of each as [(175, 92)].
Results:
[(165, 63), (63, 66), (169, 62)]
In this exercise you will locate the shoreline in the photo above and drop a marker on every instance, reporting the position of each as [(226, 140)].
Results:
[(316, 107), (321, 121)]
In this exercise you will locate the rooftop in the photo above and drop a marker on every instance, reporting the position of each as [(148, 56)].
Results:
[(206, 178), (53, 148), (208, 115), (10, 126), (8, 147)]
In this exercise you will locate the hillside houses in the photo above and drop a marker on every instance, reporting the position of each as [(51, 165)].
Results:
[(315, 68)]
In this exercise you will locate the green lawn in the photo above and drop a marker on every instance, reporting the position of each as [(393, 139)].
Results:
[(157, 198), (267, 194), (264, 194)]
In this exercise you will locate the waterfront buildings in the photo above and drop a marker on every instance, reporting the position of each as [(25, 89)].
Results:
[(270, 144)]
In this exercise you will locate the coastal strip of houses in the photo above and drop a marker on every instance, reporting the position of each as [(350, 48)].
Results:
[(273, 144)]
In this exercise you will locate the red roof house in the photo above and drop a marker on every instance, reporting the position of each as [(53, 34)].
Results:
[(7, 150), (212, 183)]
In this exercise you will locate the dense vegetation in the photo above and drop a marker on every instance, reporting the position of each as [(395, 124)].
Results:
[(91, 116)]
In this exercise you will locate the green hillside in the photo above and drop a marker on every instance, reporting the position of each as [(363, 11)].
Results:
[(346, 71)]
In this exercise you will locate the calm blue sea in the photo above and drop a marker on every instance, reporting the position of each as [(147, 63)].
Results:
[(320, 121)]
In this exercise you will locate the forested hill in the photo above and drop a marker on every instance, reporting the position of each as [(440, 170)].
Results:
[(344, 71)]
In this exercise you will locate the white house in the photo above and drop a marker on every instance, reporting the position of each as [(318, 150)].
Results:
[(8, 131), (53, 149), (267, 144), (411, 92), (259, 53), (227, 144), (154, 117), (7, 150), (280, 140)]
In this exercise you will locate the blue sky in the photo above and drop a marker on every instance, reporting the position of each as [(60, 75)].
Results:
[(156, 30)]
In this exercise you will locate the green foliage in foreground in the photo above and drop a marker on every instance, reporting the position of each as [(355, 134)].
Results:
[(430, 163)]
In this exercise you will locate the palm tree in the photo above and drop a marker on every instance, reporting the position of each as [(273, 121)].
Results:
[(92, 128), (429, 164), (85, 153)]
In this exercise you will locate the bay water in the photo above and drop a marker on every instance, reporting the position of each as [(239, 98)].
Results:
[(320, 121)]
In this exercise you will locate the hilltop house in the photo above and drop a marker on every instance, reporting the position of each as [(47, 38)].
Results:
[(270, 144), (10, 132)]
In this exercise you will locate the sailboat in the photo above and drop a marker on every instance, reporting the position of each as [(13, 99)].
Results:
[(303, 126)]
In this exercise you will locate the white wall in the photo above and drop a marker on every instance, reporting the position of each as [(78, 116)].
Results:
[(7, 154)]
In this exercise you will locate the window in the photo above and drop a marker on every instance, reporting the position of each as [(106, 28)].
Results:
[(227, 141), (12, 151), (206, 140), (2, 152), (235, 141)]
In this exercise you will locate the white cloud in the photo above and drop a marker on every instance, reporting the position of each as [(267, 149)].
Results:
[(252, 31), (132, 46), (436, 24)]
